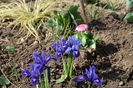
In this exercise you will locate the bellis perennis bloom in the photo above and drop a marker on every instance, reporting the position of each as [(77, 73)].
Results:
[(39, 65), (81, 28), (90, 76)]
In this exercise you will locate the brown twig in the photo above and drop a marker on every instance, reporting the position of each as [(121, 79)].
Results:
[(83, 11)]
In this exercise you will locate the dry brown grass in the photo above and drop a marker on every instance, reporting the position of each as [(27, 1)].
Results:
[(28, 16)]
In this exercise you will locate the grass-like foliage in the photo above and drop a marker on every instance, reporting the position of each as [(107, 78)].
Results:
[(64, 23), (93, 12), (27, 16), (113, 5)]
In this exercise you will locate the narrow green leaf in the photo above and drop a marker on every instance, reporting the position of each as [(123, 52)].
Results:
[(62, 79), (65, 67), (71, 70), (92, 44), (83, 40)]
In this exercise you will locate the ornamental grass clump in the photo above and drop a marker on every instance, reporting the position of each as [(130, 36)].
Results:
[(66, 51), (90, 76), (38, 68), (27, 18)]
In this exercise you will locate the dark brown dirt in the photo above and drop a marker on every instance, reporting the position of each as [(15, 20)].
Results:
[(113, 59), (115, 54)]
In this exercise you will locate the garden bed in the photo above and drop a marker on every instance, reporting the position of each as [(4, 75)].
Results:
[(113, 57)]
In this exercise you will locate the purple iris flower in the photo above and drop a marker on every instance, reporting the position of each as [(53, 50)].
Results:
[(33, 74), (59, 53), (60, 48), (64, 44), (74, 45), (74, 41), (41, 59), (75, 53), (39, 65), (90, 76), (66, 47)]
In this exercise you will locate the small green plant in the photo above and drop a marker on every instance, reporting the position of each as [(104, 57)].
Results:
[(113, 5), (63, 23), (27, 17), (87, 39), (129, 17), (3, 79), (67, 51), (129, 7), (10, 49), (14, 71), (93, 13), (60, 25)]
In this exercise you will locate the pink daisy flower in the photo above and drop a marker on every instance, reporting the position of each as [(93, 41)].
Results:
[(82, 27)]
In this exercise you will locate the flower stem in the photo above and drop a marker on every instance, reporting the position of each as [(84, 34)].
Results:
[(46, 79), (70, 65), (71, 69), (64, 66)]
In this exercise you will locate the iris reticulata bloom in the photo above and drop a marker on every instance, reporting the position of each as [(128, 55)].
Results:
[(90, 76), (66, 47), (74, 45), (39, 65)]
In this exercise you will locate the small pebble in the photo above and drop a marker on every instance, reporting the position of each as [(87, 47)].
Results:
[(121, 83)]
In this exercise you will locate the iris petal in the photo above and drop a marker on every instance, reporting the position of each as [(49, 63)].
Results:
[(26, 72), (37, 58), (68, 50), (50, 58), (75, 47), (76, 53), (34, 81), (55, 45), (89, 73), (80, 78), (35, 54), (98, 82), (59, 55), (43, 57)]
